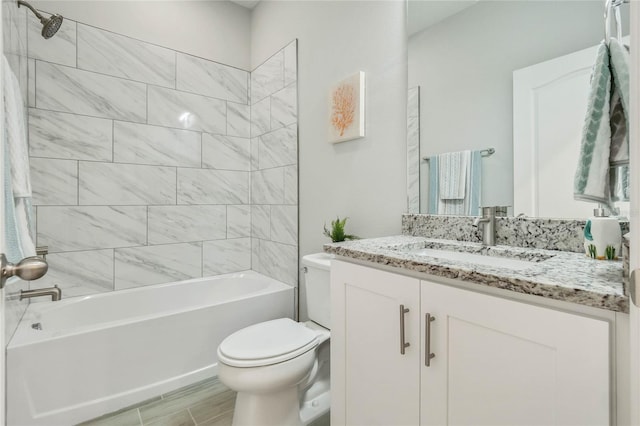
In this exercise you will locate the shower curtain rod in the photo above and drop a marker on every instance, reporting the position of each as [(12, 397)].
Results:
[(485, 153)]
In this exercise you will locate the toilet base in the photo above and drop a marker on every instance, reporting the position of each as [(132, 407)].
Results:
[(274, 409), (250, 409), (313, 409)]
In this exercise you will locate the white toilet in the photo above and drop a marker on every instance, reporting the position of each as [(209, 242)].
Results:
[(280, 368)]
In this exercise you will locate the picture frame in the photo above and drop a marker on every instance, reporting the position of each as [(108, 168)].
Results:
[(347, 109)]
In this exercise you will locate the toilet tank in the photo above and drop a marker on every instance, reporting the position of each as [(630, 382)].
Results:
[(317, 285)]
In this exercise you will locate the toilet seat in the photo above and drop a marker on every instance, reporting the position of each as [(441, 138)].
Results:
[(267, 343)]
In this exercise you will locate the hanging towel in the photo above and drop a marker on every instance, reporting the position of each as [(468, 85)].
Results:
[(605, 140), (16, 176), (453, 174), (619, 106), (470, 203), (14, 251), (434, 185), (474, 184)]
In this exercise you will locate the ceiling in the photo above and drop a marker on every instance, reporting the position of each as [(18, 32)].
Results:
[(425, 13), (249, 4), (421, 13)]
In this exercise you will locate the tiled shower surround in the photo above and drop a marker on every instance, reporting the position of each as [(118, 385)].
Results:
[(151, 165)]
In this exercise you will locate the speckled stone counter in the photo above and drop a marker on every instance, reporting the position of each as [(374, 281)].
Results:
[(560, 275)]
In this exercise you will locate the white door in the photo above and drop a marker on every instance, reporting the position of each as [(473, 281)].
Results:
[(549, 104), (634, 338), (502, 362), (372, 383)]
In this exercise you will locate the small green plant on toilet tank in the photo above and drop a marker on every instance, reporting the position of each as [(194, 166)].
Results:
[(337, 233)]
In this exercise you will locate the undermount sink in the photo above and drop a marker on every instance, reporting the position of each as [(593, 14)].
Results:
[(479, 259)]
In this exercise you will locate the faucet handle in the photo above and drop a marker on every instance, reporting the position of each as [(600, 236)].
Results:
[(29, 269)]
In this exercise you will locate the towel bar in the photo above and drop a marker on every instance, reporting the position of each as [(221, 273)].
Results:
[(485, 153)]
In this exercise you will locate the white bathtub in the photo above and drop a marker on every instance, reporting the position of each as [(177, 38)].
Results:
[(97, 354)]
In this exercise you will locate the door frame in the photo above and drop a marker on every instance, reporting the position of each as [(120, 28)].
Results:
[(634, 153), (3, 246)]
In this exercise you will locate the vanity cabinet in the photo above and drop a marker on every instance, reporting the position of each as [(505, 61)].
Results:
[(496, 361), (376, 384), (502, 362)]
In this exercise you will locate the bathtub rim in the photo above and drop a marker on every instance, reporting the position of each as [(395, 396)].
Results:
[(26, 335)]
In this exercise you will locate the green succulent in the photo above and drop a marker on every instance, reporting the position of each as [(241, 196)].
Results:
[(610, 253), (337, 233)]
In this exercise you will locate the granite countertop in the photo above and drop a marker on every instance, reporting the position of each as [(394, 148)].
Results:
[(560, 275)]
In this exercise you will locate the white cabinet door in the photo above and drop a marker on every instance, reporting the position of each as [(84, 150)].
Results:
[(372, 383), (501, 362)]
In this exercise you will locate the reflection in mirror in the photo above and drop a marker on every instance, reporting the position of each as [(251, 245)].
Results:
[(463, 56), (413, 150), (455, 182), (549, 108)]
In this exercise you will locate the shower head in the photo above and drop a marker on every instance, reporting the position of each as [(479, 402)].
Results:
[(50, 25)]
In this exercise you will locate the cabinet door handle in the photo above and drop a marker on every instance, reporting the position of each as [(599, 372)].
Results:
[(427, 339), (403, 344)]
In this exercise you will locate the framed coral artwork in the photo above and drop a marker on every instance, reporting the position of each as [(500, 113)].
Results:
[(346, 109)]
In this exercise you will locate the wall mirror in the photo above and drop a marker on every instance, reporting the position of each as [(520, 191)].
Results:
[(462, 56)]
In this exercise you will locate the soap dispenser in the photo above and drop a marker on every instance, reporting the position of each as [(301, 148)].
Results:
[(602, 236)]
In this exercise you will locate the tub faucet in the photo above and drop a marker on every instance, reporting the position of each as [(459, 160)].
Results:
[(488, 221), (55, 292)]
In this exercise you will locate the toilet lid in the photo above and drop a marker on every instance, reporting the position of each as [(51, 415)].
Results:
[(267, 343)]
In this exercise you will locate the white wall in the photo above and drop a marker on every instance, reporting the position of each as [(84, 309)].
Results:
[(364, 179), (464, 67), (215, 30)]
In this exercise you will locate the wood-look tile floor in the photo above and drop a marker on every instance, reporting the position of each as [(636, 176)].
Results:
[(206, 403)]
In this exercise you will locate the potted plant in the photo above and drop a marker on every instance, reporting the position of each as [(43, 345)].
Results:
[(337, 233)]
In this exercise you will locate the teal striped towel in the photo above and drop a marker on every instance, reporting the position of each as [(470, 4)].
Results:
[(470, 203), (453, 174)]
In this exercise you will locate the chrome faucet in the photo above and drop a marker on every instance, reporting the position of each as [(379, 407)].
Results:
[(55, 292), (488, 220)]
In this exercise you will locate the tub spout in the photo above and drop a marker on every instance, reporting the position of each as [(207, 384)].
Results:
[(55, 292)]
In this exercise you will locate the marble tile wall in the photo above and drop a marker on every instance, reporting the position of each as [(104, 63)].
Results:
[(274, 166), (147, 167), (14, 39), (413, 150)]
